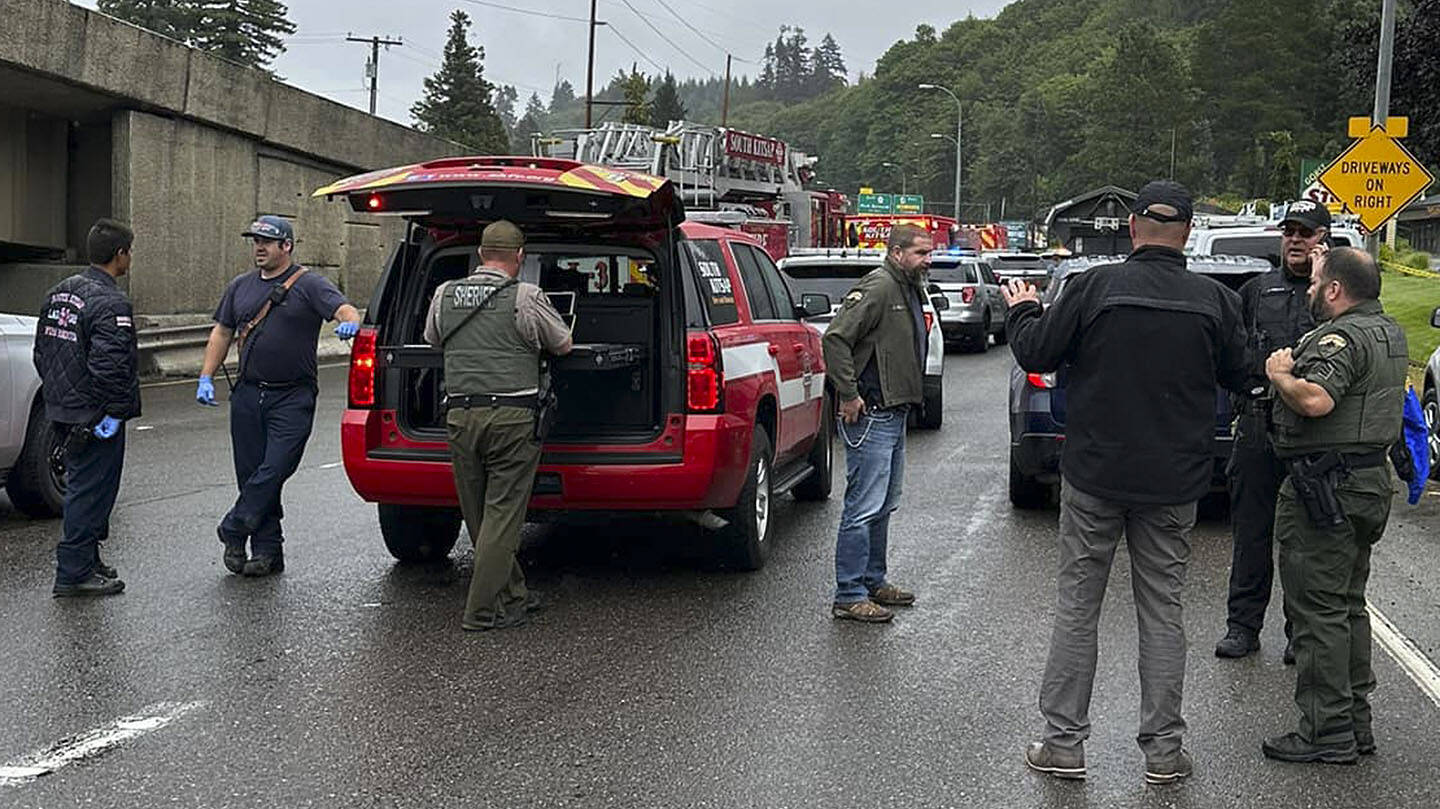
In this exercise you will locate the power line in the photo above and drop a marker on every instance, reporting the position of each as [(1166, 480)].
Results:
[(531, 12), (372, 68), (662, 36), (633, 47), (700, 33)]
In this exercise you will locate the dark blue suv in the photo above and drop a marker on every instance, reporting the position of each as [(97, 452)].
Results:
[(1037, 401)]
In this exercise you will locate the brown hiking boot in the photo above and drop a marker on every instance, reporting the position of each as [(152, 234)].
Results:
[(864, 611), (890, 595)]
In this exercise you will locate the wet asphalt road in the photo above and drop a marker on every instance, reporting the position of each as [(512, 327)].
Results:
[(656, 678)]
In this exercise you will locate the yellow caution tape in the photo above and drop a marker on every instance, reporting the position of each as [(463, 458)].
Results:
[(1404, 270)]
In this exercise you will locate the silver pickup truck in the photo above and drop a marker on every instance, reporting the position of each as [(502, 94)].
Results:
[(26, 437)]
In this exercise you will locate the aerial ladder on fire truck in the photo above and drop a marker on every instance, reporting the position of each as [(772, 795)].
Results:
[(724, 176)]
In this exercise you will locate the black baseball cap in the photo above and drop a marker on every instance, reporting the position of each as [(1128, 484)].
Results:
[(1163, 201), (270, 227), (1308, 213)]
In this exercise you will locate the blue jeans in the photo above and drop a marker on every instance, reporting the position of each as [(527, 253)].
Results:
[(92, 480), (268, 431), (874, 470)]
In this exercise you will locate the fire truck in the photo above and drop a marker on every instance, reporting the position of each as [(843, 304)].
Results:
[(725, 177), (872, 230)]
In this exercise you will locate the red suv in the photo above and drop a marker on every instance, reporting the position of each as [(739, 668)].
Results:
[(695, 387)]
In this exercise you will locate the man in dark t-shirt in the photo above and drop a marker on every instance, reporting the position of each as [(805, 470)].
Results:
[(275, 314)]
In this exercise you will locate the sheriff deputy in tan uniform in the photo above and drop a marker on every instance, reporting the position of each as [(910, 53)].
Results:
[(494, 331)]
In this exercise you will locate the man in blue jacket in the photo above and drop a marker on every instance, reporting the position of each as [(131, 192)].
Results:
[(86, 354)]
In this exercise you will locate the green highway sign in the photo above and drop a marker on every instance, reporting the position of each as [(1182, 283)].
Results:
[(875, 203), (912, 203), (1310, 169)]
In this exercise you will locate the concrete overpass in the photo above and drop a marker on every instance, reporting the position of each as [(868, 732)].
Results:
[(102, 118)]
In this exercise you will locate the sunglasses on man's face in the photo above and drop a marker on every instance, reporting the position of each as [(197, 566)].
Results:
[(1298, 230)]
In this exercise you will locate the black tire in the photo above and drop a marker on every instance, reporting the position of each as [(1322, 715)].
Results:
[(419, 533), (35, 487), (980, 341), (1431, 407), (1000, 337), (747, 534), (1026, 492), (932, 408), (822, 457)]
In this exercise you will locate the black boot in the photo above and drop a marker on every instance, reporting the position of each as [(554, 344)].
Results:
[(1291, 747), (234, 557), (1237, 643), (265, 565), (96, 585)]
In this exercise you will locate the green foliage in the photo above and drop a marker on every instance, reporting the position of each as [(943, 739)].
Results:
[(458, 103), (1410, 301), (667, 105), (173, 18), (1405, 255), (635, 88), (245, 31), (249, 32)]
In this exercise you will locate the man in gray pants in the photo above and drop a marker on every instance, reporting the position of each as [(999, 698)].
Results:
[(1145, 342)]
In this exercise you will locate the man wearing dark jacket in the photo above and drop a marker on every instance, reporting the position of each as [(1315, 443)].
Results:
[(86, 355), (875, 359), (1145, 343), (1276, 315)]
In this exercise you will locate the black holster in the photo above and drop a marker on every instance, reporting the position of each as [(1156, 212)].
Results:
[(75, 439), (1316, 479), (545, 409)]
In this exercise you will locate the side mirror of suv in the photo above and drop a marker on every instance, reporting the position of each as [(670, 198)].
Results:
[(813, 304), (1435, 318)]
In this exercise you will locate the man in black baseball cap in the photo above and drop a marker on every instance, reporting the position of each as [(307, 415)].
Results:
[(1164, 201), (1147, 341), (1276, 312)]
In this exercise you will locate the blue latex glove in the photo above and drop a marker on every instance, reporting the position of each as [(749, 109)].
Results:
[(346, 329), (205, 391), (1416, 437), (107, 428)]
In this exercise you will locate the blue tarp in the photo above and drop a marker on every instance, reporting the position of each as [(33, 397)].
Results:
[(1417, 439)]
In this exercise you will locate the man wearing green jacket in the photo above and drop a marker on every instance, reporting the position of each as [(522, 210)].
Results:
[(874, 360)]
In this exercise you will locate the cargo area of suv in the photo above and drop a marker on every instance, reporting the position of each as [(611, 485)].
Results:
[(617, 297)]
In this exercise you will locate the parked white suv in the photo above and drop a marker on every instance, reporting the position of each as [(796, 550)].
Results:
[(833, 272), (26, 437), (1261, 240)]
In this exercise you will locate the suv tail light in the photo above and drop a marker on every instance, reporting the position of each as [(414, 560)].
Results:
[(967, 294), (1042, 381), (704, 379), (362, 368)]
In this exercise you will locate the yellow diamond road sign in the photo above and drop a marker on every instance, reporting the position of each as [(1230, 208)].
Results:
[(1376, 177)]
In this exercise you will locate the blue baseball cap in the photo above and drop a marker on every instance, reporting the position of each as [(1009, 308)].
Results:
[(270, 227)]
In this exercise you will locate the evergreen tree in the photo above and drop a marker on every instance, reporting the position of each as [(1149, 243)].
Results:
[(506, 97), (535, 120), (827, 66), (667, 105), (172, 18), (245, 31), (562, 96), (458, 103), (635, 88)]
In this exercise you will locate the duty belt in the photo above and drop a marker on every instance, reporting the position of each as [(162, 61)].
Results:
[(530, 400), (1360, 460)]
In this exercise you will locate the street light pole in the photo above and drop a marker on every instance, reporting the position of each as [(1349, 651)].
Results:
[(903, 190), (959, 133), (1382, 88)]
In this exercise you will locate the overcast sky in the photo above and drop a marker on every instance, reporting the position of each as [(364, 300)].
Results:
[(527, 50)]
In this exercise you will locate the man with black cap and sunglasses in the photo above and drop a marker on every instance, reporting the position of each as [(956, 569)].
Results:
[(1145, 342), (1276, 315), (275, 314)]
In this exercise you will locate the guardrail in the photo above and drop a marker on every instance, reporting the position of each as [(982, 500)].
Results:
[(180, 350)]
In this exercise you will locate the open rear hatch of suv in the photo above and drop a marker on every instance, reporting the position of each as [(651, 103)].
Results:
[(600, 243)]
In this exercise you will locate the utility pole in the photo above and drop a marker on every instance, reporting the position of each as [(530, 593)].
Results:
[(1172, 152), (372, 67), (590, 68), (725, 105), (1382, 88), (959, 136)]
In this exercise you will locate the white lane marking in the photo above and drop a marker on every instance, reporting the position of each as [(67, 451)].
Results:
[(143, 427), (330, 465), (92, 743), (1406, 653)]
